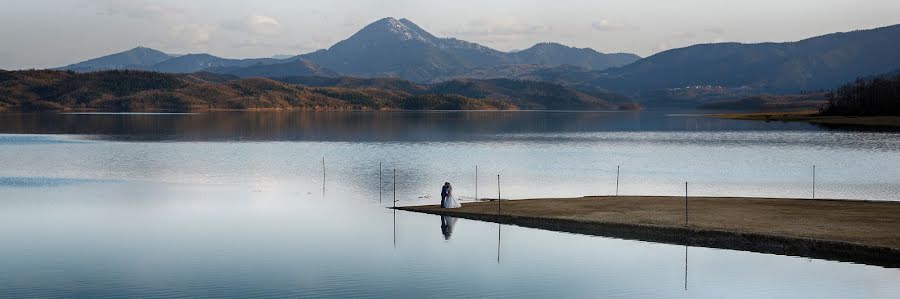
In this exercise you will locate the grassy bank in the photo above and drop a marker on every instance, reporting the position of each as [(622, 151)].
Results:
[(855, 231), (814, 117)]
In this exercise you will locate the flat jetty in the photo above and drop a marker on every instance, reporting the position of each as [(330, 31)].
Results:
[(857, 231)]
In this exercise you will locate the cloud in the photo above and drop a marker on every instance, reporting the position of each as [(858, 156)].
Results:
[(255, 24), (193, 36), (606, 26), (499, 30), (136, 9), (715, 30), (176, 25)]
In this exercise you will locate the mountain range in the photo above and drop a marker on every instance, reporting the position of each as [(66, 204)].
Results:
[(386, 48), (822, 62), (398, 48)]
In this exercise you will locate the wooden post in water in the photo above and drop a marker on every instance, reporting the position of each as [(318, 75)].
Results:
[(685, 204), (498, 194), (617, 180), (380, 182), (395, 188), (476, 183), (814, 182), (323, 177)]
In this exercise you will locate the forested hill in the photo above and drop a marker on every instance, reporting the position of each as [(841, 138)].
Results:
[(151, 91)]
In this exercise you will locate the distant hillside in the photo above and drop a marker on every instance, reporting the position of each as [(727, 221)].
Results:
[(151, 91), (137, 58), (822, 62), (204, 62), (528, 94), (296, 67), (523, 94), (553, 54)]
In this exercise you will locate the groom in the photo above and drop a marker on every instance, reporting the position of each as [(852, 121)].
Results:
[(445, 191)]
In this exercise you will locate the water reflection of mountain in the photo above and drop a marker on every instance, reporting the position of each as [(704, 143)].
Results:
[(361, 126)]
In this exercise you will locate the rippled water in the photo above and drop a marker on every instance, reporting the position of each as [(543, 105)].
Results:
[(233, 204)]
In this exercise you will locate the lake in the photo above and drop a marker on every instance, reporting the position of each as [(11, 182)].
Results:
[(237, 204)]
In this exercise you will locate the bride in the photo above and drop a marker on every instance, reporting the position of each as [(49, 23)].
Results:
[(448, 201)]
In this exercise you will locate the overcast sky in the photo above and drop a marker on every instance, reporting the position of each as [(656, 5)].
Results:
[(45, 33)]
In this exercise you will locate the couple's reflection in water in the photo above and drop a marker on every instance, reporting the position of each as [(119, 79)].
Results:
[(447, 224)]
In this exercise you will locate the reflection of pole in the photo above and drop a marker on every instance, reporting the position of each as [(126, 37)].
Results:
[(814, 182), (499, 226), (685, 204), (380, 182), (395, 228), (685, 266), (395, 187), (476, 182), (617, 180)]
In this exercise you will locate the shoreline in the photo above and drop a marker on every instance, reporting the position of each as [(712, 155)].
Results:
[(208, 110), (865, 232), (813, 118)]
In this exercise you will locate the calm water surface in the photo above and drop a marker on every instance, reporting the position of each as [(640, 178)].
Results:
[(235, 205)]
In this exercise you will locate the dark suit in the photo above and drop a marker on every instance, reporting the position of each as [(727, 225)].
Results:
[(445, 191)]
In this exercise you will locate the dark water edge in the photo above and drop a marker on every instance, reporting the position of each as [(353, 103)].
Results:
[(780, 245), (364, 125), (858, 128)]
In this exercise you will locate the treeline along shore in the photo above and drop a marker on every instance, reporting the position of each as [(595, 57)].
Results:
[(127, 91), (844, 230), (871, 101)]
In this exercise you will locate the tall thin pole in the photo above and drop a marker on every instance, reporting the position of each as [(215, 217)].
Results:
[(476, 182), (395, 187), (814, 183), (380, 182), (323, 176), (685, 204), (498, 194), (617, 180)]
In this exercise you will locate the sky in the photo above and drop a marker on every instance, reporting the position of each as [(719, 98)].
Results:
[(51, 33)]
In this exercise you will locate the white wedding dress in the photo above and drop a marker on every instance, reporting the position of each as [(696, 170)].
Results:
[(450, 202)]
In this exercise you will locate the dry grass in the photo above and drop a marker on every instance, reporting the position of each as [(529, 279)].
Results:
[(856, 222)]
